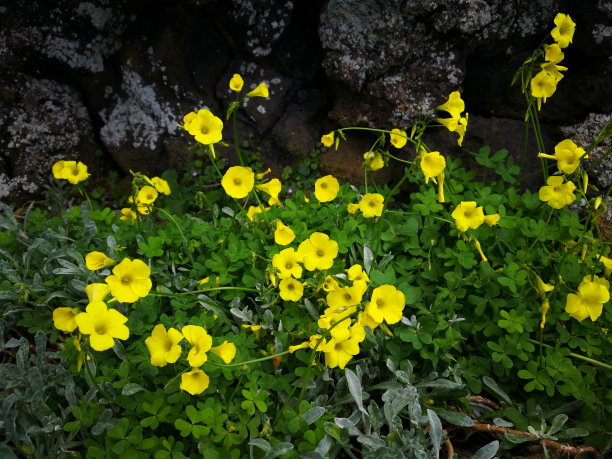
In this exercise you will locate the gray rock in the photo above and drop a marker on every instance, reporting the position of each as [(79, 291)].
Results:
[(41, 121), (79, 34), (583, 134)]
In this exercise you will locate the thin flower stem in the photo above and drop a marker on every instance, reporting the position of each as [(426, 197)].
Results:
[(204, 290), (248, 362), (543, 229), (577, 356), (383, 131), (185, 243), (524, 149), (84, 192), (235, 135)]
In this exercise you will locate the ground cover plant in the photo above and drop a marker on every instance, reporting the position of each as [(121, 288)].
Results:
[(226, 313)]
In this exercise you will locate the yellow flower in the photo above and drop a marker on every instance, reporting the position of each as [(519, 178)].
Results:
[(57, 169), (272, 188), (64, 319), (326, 188), (564, 32), (467, 215), (130, 280), (283, 235), (318, 251), (371, 205), (330, 284), (259, 91), (373, 161), (492, 219), (128, 215), (398, 138), (287, 263), (236, 83), (441, 187), (200, 341), (164, 345), (592, 295), (366, 319), (225, 351), (461, 128), (340, 350), (328, 139), (253, 211), (291, 289), (205, 127), (387, 304), (103, 325), (187, 119), (238, 181), (543, 85), (195, 381), (357, 274), (607, 263), (97, 260), (97, 291), (72, 171), (557, 194), (553, 53), (545, 307), (454, 105), (458, 125), (543, 287), (553, 70), (351, 208), (432, 164), (567, 154), (344, 297), (147, 195), (256, 329), (479, 248), (161, 185)]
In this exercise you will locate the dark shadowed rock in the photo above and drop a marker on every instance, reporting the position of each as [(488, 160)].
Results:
[(41, 121), (79, 34)]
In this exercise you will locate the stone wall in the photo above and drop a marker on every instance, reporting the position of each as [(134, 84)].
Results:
[(114, 77)]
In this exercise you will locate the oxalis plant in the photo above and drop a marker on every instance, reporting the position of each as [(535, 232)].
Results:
[(225, 313)]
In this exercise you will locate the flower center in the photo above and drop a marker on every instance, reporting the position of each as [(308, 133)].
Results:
[(168, 346), (338, 347), (288, 266), (101, 329), (468, 213), (75, 171), (379, 303), (320, 253), (290, 286), (323, 185), (237, 181), (126, 280), (372, 204)]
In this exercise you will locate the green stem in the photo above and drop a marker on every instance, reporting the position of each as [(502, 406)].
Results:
[(542, 231), (209, 289), (113, 400), (577, 356), (524, 149), (84, 192), (234, 132), (248, 362), (185, 243)]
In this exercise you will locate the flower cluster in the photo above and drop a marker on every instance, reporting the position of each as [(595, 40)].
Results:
[(469, 215), (457, 122), (72, 171), (129, 282), (164, 347), (544, 83), (146, 192)]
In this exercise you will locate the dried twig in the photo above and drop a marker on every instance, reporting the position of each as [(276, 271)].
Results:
[(484, 401), (564, 449)]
